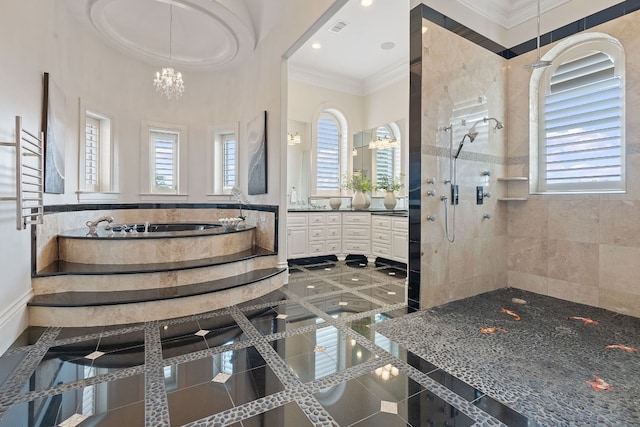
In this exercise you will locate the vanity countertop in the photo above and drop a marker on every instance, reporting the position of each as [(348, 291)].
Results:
[(400, 213)]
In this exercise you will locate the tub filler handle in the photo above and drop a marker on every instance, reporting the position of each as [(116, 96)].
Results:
[(94, 224)]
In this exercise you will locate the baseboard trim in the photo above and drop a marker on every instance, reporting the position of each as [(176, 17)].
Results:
[(14, 320)]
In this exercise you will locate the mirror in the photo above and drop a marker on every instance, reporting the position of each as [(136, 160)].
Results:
[(299, 162), (377, 162)]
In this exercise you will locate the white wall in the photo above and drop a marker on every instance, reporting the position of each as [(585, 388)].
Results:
[(92, 73)]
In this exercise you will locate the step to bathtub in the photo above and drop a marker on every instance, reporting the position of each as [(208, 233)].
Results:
[(73, 268), (89, 279), (76, 309)]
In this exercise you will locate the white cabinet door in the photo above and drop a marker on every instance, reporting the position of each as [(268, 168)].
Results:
[(400, 246), (297, 242)]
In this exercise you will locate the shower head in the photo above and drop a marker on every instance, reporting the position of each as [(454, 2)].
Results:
[(472, 137), (499, 124)]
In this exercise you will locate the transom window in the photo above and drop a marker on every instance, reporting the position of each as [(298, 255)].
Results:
[(581, 128)]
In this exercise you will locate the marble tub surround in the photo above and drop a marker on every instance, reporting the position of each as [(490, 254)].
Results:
[(141, 248), (67, 277), (80, 309), (58, 219)]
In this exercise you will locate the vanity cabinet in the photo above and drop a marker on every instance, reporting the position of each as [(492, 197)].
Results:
[(356, 233), (313, 234), (297, 236), (390, 238)]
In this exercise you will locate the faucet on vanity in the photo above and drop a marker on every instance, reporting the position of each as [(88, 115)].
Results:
[(93, 224)]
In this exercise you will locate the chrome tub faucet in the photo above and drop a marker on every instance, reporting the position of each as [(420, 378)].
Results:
[(93, 224)]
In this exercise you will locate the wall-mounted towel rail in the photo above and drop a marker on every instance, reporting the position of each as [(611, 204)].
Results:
[(29, 176)]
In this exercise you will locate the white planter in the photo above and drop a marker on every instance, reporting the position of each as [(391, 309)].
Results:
[(390, 200)]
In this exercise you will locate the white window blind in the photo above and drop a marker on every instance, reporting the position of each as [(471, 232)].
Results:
[(582, 129), (328, 154), (229, 161), (91, 152), (164, 160)]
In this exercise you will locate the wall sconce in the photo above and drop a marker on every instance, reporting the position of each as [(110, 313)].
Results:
[(293, 139)]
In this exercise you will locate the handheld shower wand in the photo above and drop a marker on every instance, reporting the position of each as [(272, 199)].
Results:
[(472, 137)]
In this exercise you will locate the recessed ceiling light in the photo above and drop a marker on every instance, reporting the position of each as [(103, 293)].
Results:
[(316, 45), (366, 3), (387, 45)]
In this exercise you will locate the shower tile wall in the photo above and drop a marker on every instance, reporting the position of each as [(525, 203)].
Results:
[(582, 248), (462, 80)]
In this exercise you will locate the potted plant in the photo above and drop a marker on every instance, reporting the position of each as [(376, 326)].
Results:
[(359, 184), (390, 185)]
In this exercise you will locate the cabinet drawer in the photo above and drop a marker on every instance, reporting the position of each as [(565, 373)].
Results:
[(333, 219), (356, 218), (333, 232), (316, 219), (381, 236), (316, 233), (354, 247), (355, 232), (381, 249), (333, 247), (296, 220), (316, 248), (381, 221), (401, 224)]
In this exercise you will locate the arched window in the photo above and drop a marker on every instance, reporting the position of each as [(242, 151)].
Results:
[(329, 151), (580, 133)]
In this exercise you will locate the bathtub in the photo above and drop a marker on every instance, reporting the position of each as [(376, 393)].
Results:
[(162, 243)]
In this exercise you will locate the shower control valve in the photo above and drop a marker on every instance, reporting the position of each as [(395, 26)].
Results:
[(486, 216), (431, 218), (486, 173), (487, 195), (431, 180), (431, 193)]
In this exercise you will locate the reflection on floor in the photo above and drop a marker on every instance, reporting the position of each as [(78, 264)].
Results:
[(307, 355)]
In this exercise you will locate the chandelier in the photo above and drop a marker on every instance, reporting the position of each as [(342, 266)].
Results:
[(293, 139), (383, 143), (169, 81)]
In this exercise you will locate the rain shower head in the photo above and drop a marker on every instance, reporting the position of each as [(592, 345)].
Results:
[(499, 124)]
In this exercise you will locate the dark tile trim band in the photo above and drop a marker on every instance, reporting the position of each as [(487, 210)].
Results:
[(606, 15)]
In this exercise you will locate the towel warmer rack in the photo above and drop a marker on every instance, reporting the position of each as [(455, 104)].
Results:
[(29, 176)]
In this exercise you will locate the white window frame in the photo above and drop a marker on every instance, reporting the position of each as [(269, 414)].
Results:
[(343, 149), (573, 47), (106, 179), (215, 159), (147, 177)]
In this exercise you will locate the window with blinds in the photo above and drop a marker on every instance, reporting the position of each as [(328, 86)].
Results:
[(164, 153), (228, 161), (581, 133), (328, 153), (91, 153)]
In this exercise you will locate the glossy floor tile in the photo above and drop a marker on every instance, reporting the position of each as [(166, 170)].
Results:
[(306, 355)]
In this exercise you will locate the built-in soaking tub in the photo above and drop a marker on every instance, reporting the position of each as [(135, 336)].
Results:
[(161, 243)]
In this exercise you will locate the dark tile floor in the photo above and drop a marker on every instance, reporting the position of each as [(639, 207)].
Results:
[(307, 355)]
